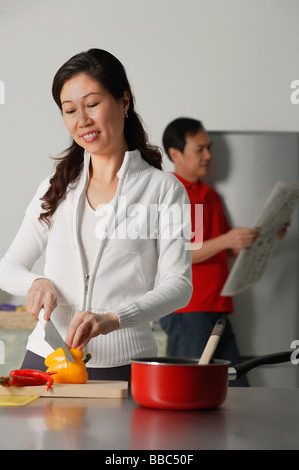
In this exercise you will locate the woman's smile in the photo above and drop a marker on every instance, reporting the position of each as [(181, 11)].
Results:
[(90, 136)]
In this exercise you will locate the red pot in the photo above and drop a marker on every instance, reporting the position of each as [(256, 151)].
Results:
[(181, 384)]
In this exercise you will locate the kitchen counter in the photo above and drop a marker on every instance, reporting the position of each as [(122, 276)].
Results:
[(250, 418)]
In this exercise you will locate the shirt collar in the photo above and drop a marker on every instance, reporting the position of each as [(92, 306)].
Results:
[(133, 164), (186, 183)]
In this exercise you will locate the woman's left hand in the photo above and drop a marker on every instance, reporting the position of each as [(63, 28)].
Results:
[(86, 325)]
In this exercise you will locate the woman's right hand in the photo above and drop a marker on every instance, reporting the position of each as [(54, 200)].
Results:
[(42, 293)]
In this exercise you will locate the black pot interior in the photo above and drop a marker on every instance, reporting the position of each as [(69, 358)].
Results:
[(175, 361)]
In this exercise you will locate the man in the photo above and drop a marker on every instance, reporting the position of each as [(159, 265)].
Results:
[(188, 145)]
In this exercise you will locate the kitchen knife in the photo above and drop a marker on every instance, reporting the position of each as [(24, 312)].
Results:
[(52, 336)]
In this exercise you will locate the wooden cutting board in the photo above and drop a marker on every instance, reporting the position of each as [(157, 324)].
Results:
[(91, 389)]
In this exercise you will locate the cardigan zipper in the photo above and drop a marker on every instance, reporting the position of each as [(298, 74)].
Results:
[(87, 277), (86, 282)]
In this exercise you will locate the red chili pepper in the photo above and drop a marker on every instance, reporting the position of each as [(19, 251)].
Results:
[(25, 377), (4, 381)]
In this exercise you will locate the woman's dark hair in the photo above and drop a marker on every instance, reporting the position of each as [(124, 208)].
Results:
[(110, 73), (176, 132)]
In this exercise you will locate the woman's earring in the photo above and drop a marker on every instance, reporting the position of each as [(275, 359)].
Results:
[(126, 115)]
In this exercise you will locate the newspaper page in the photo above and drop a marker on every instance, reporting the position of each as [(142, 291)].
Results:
[(251, 262)]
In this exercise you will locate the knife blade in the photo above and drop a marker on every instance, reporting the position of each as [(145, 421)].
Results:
[(52, 336)]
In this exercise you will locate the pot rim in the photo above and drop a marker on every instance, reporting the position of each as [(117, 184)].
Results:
[(178, 361)]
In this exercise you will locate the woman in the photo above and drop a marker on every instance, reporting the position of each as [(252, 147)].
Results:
[(102, 259)]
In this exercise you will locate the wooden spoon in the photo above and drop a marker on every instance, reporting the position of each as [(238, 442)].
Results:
[(212, 343)]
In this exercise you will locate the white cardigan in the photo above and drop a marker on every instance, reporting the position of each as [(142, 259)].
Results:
[(124, 273)]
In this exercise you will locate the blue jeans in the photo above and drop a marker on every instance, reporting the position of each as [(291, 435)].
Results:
[(188, 334)]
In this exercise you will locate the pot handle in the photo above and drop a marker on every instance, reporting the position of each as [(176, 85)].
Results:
[(237, 371)]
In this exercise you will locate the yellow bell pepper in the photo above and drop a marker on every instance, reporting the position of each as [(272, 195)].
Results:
[(67, 372)]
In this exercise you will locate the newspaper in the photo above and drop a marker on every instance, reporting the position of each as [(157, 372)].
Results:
[(251, 262)]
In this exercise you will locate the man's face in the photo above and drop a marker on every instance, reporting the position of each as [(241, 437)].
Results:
[(193, 163)]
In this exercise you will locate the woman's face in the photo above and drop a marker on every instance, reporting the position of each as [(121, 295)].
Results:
[(94, 118)]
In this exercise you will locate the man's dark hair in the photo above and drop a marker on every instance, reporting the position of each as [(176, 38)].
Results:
[(176, 132)]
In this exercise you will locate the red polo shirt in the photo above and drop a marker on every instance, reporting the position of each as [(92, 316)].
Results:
[(209, 276)]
